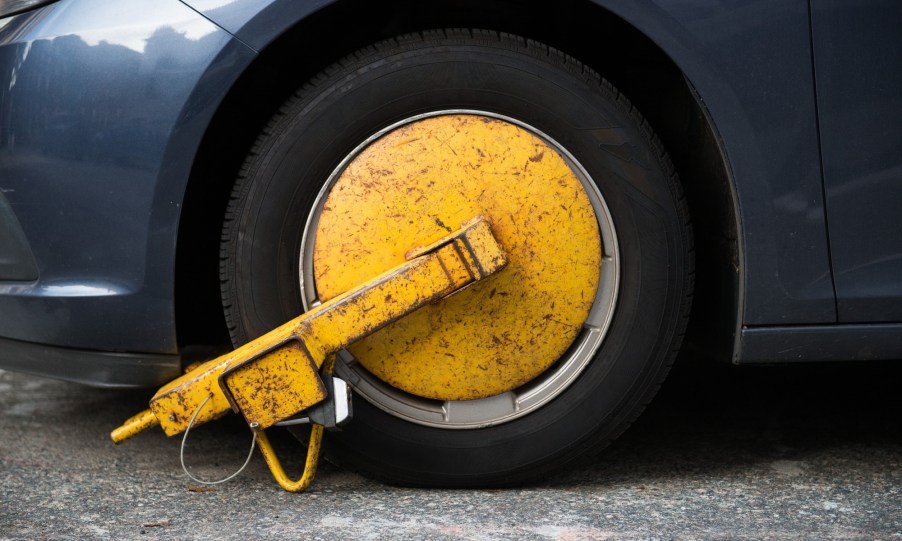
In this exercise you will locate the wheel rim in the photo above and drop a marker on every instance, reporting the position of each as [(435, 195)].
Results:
[(510, 403)]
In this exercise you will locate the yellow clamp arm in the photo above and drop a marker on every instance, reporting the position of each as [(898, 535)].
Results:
[(286, 360)]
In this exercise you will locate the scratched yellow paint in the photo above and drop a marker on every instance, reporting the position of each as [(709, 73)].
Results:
[(423, 180), (277, 385), (275, 376)]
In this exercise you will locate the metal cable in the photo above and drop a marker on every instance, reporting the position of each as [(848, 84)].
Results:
[(185, 438)]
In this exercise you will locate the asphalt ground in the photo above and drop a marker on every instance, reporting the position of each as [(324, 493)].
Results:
[(786, 452)]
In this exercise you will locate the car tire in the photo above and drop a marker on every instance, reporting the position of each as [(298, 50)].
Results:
[(558, 98)]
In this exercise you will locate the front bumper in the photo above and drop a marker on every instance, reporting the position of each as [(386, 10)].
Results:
[(96, 368)]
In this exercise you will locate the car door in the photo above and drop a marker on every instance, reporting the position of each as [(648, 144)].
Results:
[(857, 48)]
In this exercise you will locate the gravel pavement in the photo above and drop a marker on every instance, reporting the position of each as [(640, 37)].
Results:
[(788, 452)]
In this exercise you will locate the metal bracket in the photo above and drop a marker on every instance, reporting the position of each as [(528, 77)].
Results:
[(333, 413)]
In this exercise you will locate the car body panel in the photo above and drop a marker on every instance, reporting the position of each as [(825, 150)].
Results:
[(858, 59), (91, 367), (750, 64), (108, 112), (257, 22), (16, 260), (803, 343)]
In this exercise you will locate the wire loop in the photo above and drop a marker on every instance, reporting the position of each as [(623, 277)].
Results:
[(185, 438)]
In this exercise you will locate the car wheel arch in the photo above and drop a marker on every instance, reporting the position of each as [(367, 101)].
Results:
[(645, 73)]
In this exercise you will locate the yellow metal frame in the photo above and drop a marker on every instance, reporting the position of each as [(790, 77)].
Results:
[(275, 376)]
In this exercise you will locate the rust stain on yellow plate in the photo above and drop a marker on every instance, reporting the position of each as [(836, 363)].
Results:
[(419, 182)]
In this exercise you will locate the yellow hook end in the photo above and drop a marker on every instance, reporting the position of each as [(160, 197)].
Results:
[(134, 425)]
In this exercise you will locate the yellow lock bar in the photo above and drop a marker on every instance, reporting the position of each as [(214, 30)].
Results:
[(276, 375)]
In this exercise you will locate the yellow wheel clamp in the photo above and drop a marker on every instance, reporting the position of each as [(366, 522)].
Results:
[(277, 376)]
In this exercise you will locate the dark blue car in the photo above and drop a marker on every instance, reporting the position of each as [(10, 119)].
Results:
[(169, 171)]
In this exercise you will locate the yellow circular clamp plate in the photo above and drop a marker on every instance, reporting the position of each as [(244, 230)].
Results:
[(419, 182)]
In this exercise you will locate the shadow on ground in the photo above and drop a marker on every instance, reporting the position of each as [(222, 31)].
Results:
[(712, 418)]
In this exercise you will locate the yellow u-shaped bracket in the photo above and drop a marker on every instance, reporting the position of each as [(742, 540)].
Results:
[(269, 455)]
